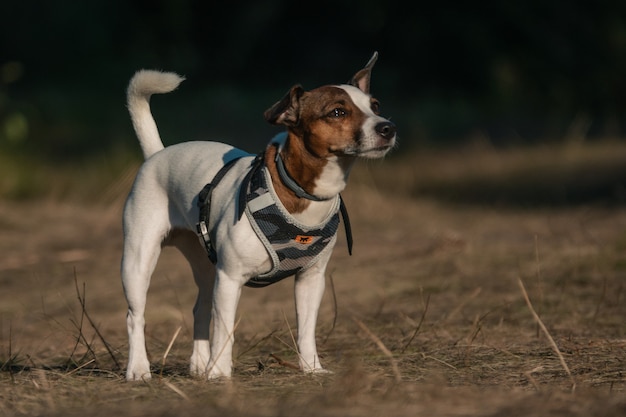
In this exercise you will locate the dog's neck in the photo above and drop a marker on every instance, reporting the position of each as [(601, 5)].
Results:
[(324, 178)]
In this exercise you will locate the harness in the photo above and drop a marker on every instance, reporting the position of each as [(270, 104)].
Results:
[(291, 245)]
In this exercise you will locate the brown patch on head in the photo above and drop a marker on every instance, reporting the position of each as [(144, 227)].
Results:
[(323, 123), (330, 121)]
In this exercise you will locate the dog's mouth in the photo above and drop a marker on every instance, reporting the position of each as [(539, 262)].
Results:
[(376, 151)]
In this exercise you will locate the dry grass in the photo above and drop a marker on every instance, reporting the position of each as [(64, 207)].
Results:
[(427, 318)]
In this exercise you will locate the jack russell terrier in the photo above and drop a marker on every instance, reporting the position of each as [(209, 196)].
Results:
[(193, 195)]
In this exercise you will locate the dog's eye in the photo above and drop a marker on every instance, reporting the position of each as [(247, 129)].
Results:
[(337, 112), (375, 106)]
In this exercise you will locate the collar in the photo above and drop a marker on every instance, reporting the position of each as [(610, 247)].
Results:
[(289, 181)]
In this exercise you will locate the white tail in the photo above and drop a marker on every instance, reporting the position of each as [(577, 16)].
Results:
[(143, 84)]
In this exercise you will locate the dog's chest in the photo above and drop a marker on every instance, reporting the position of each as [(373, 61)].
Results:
[(292, 246)]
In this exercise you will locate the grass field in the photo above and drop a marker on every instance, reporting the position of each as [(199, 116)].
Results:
[(427, 318)]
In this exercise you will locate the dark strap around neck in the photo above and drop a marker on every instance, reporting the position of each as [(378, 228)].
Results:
[(291, 183)]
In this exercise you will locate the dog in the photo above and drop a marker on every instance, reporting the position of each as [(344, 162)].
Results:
[(299, 177)]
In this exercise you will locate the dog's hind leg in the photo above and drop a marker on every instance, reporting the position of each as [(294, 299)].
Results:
[(142, 246), (187, 242)]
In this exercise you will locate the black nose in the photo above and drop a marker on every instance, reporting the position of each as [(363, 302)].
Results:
[(386, 129)]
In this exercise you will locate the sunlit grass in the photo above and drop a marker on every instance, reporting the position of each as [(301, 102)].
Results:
[(98, 178)]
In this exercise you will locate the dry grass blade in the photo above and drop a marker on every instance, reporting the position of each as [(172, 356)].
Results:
[(419, 325), (382, 347), (539, 285), (335, 309), (547, 333), (78, 368), (167, 351), (440, 361), (79, 325), (253, 345), (463, 303), (219, 354), (176, 390), (284, 363), (529, 376), (293, 339), (11, 359), (81, 299)]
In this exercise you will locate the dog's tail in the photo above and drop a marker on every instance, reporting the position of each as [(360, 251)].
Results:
[(143, 84)]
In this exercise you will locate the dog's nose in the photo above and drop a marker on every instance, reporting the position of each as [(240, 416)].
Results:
[(386, 129)]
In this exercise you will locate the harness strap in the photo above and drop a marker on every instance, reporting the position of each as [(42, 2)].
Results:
[(243, 189), (204, 203), (346, 223)]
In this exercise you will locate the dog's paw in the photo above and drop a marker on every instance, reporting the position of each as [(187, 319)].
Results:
[(138, 369), (215, 373), (138, 375), (198, 368), (312, 366)]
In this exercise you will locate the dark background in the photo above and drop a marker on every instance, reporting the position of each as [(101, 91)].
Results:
[(448, 72)]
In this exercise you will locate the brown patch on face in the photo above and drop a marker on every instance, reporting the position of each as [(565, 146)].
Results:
[(328, 124)]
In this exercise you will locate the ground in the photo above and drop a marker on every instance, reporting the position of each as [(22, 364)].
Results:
[(428, 317)]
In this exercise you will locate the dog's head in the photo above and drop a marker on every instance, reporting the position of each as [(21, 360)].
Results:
[(340, 120)]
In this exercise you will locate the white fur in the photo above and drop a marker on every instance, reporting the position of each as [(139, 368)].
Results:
[(370, 146), (332, 180), (162, 210)]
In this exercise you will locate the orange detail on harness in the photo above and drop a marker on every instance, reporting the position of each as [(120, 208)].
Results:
[(305, 240)]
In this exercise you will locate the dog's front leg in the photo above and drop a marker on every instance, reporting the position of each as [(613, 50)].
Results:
[(225, 299), (309, 289)]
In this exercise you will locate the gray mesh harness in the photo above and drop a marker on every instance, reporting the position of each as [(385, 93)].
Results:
[(291, 245)]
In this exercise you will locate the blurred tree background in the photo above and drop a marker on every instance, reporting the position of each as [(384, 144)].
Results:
[(449, 72)]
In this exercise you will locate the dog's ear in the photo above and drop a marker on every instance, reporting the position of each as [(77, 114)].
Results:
[(287, 110), (361, 79)]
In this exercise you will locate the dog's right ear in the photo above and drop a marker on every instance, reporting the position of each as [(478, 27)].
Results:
[(287, 110)]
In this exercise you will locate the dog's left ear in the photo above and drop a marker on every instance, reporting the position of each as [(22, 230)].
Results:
[(361, 79), (287, 110)]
